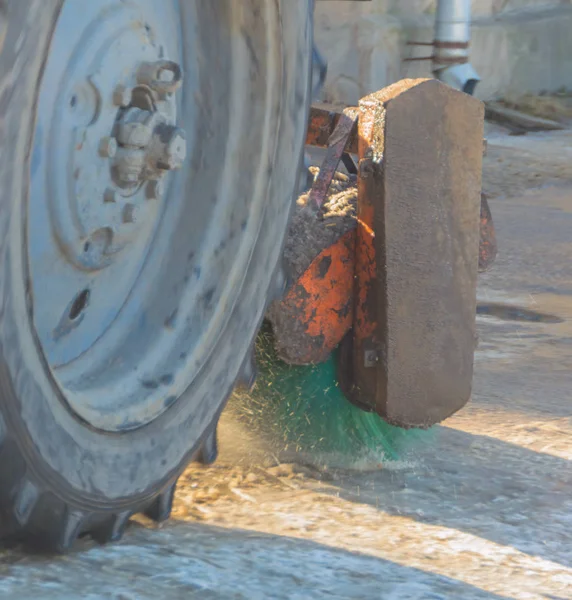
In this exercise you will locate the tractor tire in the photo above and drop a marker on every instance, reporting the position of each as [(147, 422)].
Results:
[(134, 274)]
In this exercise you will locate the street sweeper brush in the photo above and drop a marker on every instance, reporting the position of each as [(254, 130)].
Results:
[(378, 323)]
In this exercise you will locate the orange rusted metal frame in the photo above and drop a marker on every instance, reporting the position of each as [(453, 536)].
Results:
[(321, 300), (331, 292), (324, 310), (322, 123), (351, 130), (360, 349)]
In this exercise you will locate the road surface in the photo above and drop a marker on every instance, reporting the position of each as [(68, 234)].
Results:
[(482, 509)]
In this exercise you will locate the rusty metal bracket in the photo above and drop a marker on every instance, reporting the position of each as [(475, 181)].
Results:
[(338, 141), (323, 121), (403, 277), (409, 353)]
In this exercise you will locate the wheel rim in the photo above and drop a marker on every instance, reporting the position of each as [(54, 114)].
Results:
[(134, 262)]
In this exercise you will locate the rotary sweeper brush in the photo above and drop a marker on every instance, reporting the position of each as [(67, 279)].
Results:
[(383, 264)]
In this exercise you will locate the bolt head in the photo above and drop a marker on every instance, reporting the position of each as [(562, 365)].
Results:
[(108, 147), (130, 178), (370, 358), (174, 150), (128, 213), (155, 190), (365, 167), (110, 196), (122, 96), (128, 166), (134, 135)]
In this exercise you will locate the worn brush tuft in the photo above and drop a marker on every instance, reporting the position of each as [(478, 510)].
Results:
[(303, 410)]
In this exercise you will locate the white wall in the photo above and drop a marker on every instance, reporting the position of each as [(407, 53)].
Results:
[(518, 46)]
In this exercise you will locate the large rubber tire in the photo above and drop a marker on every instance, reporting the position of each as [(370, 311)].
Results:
[(59, 477)]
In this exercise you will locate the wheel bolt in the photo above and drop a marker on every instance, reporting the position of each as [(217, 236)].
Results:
[(110, 196), (134, 135), (122, 96), (128, 214), (108, 147), (174, 149), (128, 166), (154, 190)]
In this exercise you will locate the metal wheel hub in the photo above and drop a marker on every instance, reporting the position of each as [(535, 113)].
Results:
[(118, 136), (138, 237), (107, 139)]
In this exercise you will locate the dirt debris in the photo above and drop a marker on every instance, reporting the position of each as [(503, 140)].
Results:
[(514, 166), (556, 107), (200, 489), (312, 230)]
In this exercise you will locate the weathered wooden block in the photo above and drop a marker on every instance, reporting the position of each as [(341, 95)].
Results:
[(420, 148)]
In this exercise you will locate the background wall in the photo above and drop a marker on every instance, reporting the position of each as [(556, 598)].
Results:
[(518, 46)]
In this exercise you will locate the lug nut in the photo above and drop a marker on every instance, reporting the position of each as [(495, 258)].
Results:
[(122, 96), (108, 147), (128, 166), (110, 196), (174, 149), (155, 190), (134, 135), (128, 214), (135, 128)]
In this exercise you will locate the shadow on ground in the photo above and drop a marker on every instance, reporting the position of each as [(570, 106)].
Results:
[(477, 484), (193, 560)]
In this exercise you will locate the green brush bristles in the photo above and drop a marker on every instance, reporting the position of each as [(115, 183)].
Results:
[(306, 410)]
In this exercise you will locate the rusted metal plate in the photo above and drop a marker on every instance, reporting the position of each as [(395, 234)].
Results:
[(420, 150), (488, 240), (321, 125), (316, 313), (358, 380)]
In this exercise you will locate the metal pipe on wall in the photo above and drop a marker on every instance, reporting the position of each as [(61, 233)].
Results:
[(451, 46)]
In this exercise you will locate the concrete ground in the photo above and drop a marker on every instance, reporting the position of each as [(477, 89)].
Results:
[(480, 510)]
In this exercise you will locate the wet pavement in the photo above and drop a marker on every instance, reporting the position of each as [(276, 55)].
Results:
[(482, 508)]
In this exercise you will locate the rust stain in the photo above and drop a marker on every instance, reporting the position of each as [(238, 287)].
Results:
[(488, 241), (365, 309), (321, 126), (365, 273), (322, 299)]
